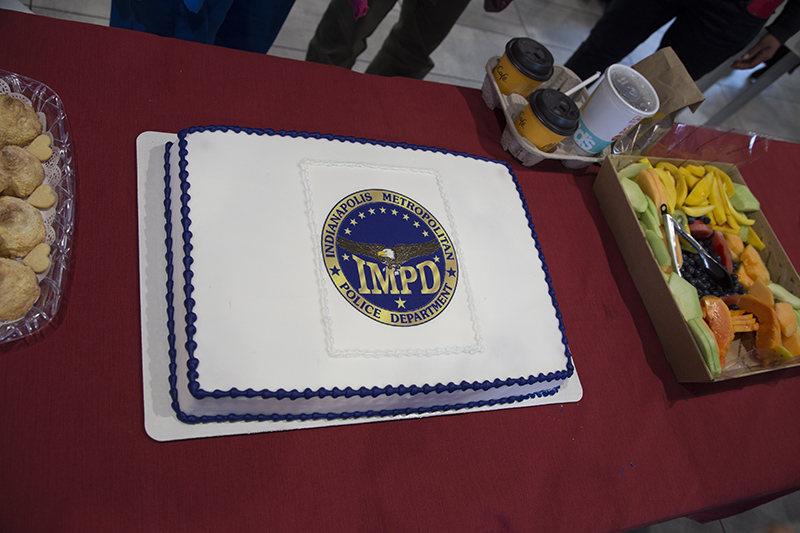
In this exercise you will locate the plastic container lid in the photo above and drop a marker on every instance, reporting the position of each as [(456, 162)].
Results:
[(555, 110), (633, 88), (531, 58)]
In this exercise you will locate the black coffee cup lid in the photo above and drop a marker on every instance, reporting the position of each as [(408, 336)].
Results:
[(531, 58), (555, 110)]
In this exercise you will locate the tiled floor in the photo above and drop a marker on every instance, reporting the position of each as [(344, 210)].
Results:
[(560, 25)]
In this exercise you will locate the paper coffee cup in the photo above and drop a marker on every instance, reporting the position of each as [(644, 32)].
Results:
[(621, 100), (549, 117), (523, 67)]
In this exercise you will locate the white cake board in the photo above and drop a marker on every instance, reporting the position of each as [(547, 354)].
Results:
[(161, 423)]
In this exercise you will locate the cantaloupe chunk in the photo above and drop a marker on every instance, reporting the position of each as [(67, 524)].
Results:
[(735, 243), (753, 264), (669, 187), (792, 343), (744, 279), (651, 185), (760, 290), (718, 318), (768, 335), (787, 318)]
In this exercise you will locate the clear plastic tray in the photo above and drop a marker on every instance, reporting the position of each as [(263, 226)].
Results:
[(512, 105), (59, 173)]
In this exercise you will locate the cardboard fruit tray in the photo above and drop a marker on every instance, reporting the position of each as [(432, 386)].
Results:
[(677, 341)]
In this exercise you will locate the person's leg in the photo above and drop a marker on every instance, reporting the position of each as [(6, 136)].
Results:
[(625, 24), (708, 32), (152, 17), (340, 38), (170, 18), (422, 27), (253, 26)]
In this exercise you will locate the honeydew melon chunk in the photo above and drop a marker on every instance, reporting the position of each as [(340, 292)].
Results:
[(707, 344), (632, 170), (656, 242), (784, 355), (650, 218), (744, 232), (743, 200), (685, 296), (635, 195), (782, 295)]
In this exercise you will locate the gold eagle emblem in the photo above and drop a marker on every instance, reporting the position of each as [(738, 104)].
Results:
[(393, 256)]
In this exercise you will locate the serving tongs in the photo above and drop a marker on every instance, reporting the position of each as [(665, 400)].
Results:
[(715, 269)]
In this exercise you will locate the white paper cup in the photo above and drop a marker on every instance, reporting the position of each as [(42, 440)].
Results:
[(620, 101)]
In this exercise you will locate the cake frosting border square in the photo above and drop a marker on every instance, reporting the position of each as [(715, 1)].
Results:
[(558, 377), (476, 343)]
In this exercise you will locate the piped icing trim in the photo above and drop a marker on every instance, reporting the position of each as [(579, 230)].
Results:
[(476, 347), (348, 392)]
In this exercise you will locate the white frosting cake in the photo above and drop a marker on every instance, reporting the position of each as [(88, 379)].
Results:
[(313, 276)]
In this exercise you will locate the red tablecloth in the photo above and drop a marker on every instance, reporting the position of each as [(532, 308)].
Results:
[(639, 448)]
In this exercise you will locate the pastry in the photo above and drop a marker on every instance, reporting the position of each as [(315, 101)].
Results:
[(19, 123), (23, 170), (5, 180), (21, 227), (19, 289)]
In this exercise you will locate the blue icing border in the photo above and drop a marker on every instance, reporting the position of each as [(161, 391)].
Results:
[(194, 385)]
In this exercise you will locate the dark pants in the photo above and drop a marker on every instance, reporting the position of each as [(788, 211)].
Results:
[(422, 27), (249, 25), (705, 33)]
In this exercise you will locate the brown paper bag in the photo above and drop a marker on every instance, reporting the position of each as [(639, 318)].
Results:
[(676, 90)]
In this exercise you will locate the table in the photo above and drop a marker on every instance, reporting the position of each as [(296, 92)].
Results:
[(639, 447)]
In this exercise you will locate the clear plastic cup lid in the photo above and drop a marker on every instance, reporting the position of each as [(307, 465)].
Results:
[(634, 89)]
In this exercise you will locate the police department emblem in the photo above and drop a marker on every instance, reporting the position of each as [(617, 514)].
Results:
[(389, 257)]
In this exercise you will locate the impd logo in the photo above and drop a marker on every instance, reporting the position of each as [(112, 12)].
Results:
[(389, 257)]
